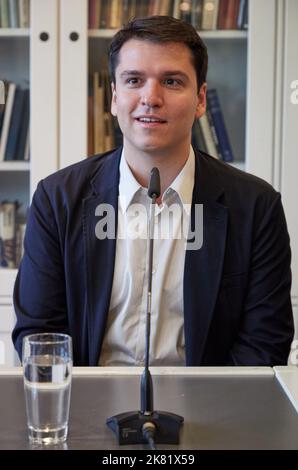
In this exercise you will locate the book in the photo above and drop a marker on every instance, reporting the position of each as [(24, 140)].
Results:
[(98, 103), (7, 234), (4, 14), (208, 136), (19, 245), (114, 14), (94, 14), (185, 11), (13, 13), (209, 14), (7, 119), (197, 137), (222, 14), (15, 125), (232, 14), (214, 135), (108, 120), (242, 20), (24, 13), (3, 99), (219, 125), (27, 146), (176, 9), (196, 14), (22, 138)]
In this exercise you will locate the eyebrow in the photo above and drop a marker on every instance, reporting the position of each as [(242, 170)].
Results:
[(167, 73), (125, 73), (176, 72)]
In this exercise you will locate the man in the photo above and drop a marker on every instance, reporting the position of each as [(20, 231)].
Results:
[(226, 302)]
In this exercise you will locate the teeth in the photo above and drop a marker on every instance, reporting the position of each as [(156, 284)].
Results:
[(149, 120)]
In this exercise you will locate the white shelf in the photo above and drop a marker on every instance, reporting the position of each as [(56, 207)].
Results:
[(224, 34), (101, 33), (216, 34), (15, 166), (7, 279), (14, 32)]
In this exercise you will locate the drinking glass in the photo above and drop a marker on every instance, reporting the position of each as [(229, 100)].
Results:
[(47, 370)]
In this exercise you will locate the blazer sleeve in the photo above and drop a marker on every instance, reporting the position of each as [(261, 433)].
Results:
[(266, 328), (39, 292)]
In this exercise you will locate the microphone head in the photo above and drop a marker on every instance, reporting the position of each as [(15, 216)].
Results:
[(154, 183)]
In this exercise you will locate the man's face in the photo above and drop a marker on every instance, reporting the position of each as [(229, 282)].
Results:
[(155, 97)]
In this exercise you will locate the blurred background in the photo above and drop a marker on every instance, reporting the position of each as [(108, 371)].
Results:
[(55, 108)]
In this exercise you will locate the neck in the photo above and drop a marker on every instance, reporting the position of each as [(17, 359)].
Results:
[(170, 165)]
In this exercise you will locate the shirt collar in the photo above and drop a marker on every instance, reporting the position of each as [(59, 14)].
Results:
[(182, 185), (128, 185)]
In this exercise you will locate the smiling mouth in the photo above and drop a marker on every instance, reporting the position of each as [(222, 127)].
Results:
[(150, 121)]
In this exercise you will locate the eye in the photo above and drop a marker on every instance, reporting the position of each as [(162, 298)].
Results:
[(133, 81), (173, 82)]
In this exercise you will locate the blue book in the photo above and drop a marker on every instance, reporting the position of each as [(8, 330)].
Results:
[(219, 125), (1, 117), (21, 143), (15, 125), (242, 21)]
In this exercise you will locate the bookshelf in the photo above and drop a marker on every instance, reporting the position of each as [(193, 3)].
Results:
[(14, 176), (227, 50), (14, 143), (27, 62), (224, 34), (14, 32), (251, 70), (14, 166)]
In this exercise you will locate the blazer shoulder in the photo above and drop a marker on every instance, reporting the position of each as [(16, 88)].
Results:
[(235, 182), (76, 178)]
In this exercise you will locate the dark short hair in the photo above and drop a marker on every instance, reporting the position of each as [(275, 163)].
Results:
[(161, 29)]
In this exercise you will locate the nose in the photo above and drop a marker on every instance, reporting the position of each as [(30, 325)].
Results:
[(152, 94)]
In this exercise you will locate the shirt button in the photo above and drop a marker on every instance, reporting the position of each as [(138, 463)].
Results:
[(153, 270)]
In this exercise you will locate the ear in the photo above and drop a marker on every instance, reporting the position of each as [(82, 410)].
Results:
[(113, 102), (201, 101)]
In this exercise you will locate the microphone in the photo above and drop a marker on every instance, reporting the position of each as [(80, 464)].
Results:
[(147, 425), (154, 184), (146, 382)]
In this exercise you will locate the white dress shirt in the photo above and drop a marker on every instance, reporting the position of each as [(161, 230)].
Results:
[(124, 339)]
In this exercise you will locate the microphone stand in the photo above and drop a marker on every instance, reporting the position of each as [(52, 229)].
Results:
[(147, 425)]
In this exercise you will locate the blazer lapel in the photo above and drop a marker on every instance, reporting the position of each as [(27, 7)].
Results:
[(99, 251), (203, 267)]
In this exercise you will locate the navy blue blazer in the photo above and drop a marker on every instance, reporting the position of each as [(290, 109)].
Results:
[(237, 307)]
